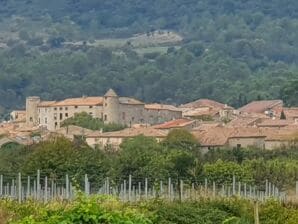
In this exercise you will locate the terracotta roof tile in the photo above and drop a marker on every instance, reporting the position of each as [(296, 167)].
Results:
[(179, 123), (261, 106), (46, 103), (195, 112), (156, 106), (203, 103), (131, 132), (83, 101), (291, 112), (274, 123)]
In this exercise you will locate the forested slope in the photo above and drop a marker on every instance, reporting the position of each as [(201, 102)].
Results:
[(233, 51)]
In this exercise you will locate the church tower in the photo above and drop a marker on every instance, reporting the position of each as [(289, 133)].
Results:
[(111, 106)]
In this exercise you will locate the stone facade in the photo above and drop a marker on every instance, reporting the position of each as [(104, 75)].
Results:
[(110, 108), (246, 142)]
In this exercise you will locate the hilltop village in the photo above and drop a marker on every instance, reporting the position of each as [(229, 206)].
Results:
[(261, 124)]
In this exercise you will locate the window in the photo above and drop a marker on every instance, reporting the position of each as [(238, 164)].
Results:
[(91, 113), (123, 115), (46, 120), (61, 116), (61, 108), (55, 108), (31, 119), (38, 120), (66, 108), (55, 116), (106, 104), (238, 146), (76, 107), (56, 124), (106, 117), (66, 114), (90, 107)]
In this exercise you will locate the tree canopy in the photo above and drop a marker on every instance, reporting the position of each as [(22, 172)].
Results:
[(232, 51)]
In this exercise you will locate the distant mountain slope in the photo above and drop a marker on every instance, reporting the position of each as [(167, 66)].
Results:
[(232, 51)]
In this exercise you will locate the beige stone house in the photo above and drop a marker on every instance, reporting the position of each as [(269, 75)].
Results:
[(270, 108), (18, 116), (110, 108), (207, 109), (233, 137), (182, 123), (114, 139)]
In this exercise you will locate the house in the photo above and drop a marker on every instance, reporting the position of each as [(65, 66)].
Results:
[(274, 123), (205, 109), (291, 114), (71, 131), (236, 137), (115, 138), (182, 123), (164, 112), (110, 108), (281, 138), (268, 107), (18, 116)]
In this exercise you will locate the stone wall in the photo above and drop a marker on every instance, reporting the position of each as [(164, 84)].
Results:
[(244, 142)]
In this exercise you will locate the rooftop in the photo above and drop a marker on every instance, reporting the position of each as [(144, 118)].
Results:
[(111, 93), (131, 101), (46, 103), (82, 101), (179, 123), (130, 132), (260, 106), (156, 106), (203, 103), (274, 123)]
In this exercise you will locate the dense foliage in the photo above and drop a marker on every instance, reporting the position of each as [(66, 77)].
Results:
[(144, 157), (107, 210), (85, 120), (233, 51)]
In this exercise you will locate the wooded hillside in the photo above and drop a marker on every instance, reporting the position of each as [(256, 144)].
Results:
[(232, 51)]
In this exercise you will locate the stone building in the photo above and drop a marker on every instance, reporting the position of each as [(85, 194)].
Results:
[(110, 108)]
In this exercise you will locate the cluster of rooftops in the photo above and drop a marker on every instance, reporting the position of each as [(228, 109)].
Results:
[(264, 124)]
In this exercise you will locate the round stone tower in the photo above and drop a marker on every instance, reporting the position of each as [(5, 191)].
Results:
[(32, 111), (111, 107)]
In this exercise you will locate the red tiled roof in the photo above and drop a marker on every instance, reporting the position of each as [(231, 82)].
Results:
[(179, 123), (243, 122), (218, 136), (274, 123), (260, 106), (291, 112), (201, 111), (156, 106), (83, 101), (46, 103), (203, 103)]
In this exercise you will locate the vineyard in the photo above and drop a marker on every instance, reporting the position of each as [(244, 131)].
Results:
[(106, 209)]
